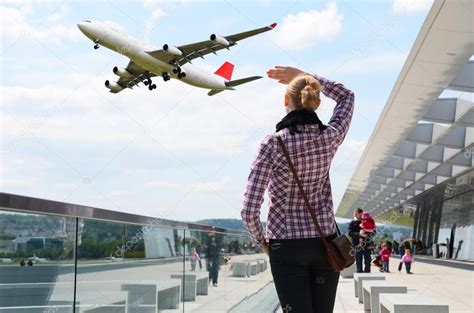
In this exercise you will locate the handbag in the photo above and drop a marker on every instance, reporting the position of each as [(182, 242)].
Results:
[(340, 252)]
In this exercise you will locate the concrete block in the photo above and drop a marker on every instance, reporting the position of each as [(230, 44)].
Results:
[(410, 303), (349, 272), (240, 269), (149, 297), (371, 289), (193, 283), (359, 277)]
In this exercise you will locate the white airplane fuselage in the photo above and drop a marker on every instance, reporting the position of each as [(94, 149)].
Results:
[(136, 50)]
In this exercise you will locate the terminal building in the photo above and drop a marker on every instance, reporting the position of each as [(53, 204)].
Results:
[(417, 168)]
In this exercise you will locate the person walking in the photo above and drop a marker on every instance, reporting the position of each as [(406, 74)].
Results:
[(212, 260), (303, 279), (385, 257), (401, 251), (194, 258), (407, 259)]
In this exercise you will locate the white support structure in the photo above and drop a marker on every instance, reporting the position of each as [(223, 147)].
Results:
[(420, 138)]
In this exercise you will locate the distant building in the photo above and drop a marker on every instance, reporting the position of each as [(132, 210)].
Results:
[(23, 244)]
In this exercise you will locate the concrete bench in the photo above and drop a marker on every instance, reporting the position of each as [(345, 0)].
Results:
[(26, 294), (262, 264), (371, 290), (259, 265), (410, 303), (92, 296), (240, 269), (253, 265), (151, 296), (359, 277), (193, 283), (349, 272), (116, 307), (97, 300)]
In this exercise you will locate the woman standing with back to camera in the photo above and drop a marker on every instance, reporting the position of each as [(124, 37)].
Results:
[(303, 278)]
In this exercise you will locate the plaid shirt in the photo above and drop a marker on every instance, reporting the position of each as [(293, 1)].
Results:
[(311, 152)]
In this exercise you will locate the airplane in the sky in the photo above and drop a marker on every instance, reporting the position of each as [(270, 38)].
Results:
[(170, 61)]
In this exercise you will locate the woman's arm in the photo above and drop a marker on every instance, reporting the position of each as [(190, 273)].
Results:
[(342, 114), (258, 180)]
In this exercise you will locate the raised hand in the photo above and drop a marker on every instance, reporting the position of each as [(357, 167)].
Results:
[(284, 74)]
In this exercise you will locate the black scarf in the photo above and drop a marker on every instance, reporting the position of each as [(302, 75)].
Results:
[(299, 117)]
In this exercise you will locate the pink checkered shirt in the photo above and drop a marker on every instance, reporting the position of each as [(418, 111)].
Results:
[(311, 151)]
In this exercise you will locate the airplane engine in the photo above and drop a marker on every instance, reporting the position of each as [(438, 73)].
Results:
[(113, 86), (122, 72), (172, 50), (220, 40)]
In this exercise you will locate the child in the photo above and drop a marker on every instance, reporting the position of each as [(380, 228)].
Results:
[(408, 260), (194, 257), (367, 227), (385, 256)]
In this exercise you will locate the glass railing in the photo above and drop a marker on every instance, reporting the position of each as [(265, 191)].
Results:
[(60, 257)]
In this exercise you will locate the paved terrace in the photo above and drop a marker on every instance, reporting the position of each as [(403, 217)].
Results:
[(451, 283)]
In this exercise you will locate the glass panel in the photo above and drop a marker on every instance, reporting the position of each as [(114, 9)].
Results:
[(229, 273), (36, 262), (129, 268)]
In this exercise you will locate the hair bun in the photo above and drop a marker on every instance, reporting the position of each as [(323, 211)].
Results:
[(308, 88), (305, 92)]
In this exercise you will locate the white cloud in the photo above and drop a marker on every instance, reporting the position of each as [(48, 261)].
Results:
[(411, 6), (16, 26), (302, 30), (155, 16)]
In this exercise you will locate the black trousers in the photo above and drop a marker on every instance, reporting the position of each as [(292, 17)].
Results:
[(303, 278), (362, 255), (213, 268)]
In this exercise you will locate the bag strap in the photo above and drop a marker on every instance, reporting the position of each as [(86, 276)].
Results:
[(337, 228), (300, 187)]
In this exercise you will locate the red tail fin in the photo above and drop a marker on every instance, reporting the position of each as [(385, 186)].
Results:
[(225, 70)]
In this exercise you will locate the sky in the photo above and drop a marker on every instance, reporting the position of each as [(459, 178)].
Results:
[(174, 152)]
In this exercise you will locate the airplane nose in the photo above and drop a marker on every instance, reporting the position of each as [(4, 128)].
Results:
[(86, 28), (82, 27)]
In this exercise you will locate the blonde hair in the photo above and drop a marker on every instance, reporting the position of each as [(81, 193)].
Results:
[(303, 91)]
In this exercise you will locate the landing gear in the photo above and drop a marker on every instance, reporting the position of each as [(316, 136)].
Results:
[(96, 46), (177, 70), (149, 83), (165, 76)]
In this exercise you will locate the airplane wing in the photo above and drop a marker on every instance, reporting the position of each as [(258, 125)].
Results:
[(200, 49), (138, 75)]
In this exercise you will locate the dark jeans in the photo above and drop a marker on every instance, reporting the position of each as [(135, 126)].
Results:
[(303, 278), (213, 268), (362, 254)]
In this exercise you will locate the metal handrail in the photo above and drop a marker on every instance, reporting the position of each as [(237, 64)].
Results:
[(25, 204)]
